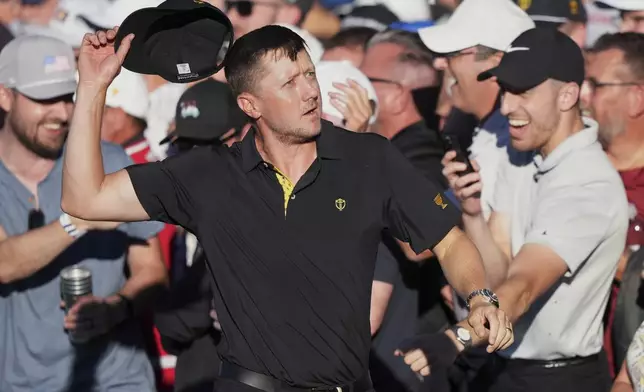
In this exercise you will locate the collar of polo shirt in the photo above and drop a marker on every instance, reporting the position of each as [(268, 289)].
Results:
[(577, 141), (327, 148)]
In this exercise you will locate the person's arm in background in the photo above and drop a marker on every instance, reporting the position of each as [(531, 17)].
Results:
[(492, 238), (623, 382), (184, 316), (89, 193), (384, 279), (17, 257)]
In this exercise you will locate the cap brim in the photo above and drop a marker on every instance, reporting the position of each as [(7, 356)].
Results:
[(446, 38), (512, 79), (168, 138), (49, 90)]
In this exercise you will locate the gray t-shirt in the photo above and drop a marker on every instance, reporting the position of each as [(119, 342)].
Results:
[(36, 354)]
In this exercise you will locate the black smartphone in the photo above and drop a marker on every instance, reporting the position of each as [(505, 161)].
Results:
[(451, 144)]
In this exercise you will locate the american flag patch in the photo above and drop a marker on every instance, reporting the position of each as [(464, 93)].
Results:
[(57, 64)]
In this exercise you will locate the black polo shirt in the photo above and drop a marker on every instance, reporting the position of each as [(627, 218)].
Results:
[(293, 290)]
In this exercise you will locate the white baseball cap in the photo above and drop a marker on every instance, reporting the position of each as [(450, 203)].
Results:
[(622, 5), (118, 10), (491, 23), (129, 92), (313, 45), (329, 72), (406, 11)]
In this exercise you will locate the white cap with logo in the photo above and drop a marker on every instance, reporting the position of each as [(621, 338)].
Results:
[(622, 5), (129, 92), (38, 67), (491, 23), (329, 72)]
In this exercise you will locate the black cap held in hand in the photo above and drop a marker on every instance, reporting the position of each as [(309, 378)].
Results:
[(180, 40), (535, 56)]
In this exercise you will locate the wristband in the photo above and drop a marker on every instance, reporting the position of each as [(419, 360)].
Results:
[(70, 228), (487, 294)]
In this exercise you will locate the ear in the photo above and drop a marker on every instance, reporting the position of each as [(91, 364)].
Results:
[(6, 99), (290, 14), (635, 102), (568, 96), (249, 104), (399, 99), (494, 60)]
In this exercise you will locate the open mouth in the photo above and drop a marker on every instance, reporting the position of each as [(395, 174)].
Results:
[(517, 126)]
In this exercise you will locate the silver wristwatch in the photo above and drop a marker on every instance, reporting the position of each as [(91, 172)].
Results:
[(462, 335)]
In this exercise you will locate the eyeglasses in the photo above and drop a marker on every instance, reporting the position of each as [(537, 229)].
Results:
[(593, 84), (386, 81), (245, 7), (36, 219)]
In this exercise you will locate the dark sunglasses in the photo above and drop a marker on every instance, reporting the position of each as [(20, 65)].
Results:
[(36, 219), (245, 7)]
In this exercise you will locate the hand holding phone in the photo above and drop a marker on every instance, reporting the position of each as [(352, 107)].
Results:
[(451, 144)]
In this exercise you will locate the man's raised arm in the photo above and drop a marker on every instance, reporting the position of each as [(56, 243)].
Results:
[(87, 192)]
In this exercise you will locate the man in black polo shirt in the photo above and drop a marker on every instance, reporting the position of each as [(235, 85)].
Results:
[(289, 219)]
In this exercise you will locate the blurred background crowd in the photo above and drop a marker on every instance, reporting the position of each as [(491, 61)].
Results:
[(378, 72)]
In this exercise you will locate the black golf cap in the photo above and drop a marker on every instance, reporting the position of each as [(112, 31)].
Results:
[(535, 56), (180, 40), (554, 12), (206, 112)]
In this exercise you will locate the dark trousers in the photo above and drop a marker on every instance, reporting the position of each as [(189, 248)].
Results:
[(501, 375)]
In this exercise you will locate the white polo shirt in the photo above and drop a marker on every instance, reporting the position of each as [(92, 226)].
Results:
[(573, 202)]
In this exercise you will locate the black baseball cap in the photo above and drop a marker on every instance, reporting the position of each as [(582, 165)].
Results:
[(535, 56), (180, 40), (206, 112), (554, 12), (377, 17)]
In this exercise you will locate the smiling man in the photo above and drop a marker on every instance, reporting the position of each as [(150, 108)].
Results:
[(558, 227), (289, 219)]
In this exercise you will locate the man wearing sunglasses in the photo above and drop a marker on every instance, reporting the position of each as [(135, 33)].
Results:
[(37, 82), (249, 15)]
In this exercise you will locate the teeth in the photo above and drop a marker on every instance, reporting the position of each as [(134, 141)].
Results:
[(53, 126), (519, 123)]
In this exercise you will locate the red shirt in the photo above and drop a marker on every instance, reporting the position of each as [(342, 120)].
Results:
[(139, 151), (634, 184)]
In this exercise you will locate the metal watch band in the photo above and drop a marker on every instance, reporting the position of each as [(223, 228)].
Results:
[(487, 294), (70, 228)]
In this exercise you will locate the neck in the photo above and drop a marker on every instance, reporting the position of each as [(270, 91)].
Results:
[(626, 151), (292, 159), (22, 162), (487, 99), (390, 126), (568, 126)]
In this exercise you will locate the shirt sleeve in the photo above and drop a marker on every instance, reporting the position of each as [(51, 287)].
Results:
[(417, 211), (386, 266), (166, 189), (572, 222)]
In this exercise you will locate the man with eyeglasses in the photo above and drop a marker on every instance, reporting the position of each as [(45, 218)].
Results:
[(37, 240), (631, 13), (249, 15), (615, 97)]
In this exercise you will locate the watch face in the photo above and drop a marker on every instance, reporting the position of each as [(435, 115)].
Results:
[(464, 334)]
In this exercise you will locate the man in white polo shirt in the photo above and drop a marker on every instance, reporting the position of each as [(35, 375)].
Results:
[(558, 226)]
